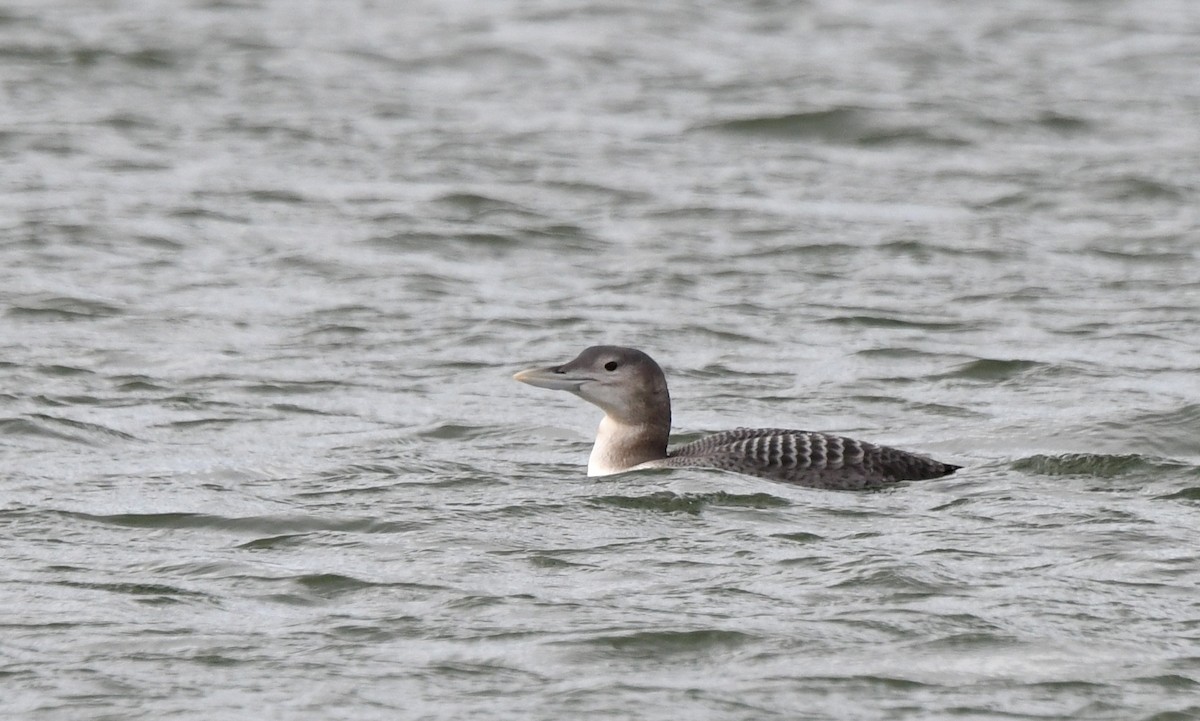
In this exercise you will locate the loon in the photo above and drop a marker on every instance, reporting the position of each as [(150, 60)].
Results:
[(631, 389)]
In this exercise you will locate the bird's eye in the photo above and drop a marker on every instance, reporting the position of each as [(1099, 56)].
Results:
[(610, 366)]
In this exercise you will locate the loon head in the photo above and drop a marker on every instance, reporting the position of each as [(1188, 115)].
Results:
[(624, 382), (631, 390)]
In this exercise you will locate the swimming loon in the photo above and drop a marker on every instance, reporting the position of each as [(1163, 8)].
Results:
[(631, 389)]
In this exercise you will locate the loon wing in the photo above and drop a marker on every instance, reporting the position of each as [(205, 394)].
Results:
[(805, 458)]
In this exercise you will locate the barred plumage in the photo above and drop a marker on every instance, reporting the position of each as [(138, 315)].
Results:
[(806, 458)]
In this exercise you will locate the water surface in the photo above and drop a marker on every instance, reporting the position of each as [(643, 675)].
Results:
[(266, 269)]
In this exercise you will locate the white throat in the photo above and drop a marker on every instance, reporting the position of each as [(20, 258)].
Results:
[(603, 461), (615, 443)]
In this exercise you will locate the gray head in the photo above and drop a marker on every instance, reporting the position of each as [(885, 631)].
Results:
[(625, 382)]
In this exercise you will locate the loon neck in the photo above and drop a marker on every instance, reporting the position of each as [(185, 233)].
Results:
[(621, 446)]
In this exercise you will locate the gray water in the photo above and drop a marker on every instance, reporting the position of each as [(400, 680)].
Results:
[(266, 268)]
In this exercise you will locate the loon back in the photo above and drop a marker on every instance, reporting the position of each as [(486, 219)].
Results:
[(805, 458)]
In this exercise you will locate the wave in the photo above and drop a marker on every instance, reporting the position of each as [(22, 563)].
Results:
[(848, 125), (1101, 465), (668, 502)]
